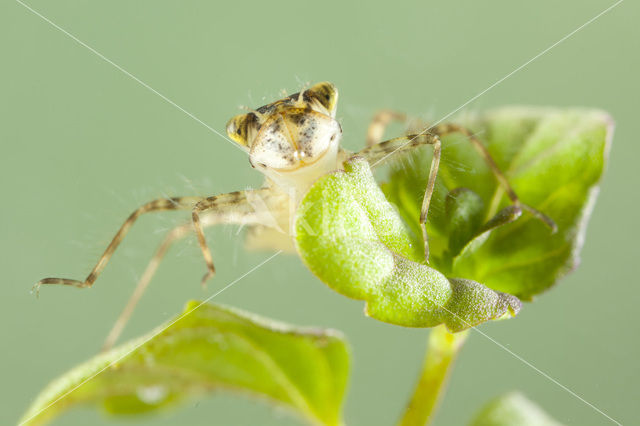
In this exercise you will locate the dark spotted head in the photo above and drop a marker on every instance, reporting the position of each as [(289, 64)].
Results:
[(291, 134), (322, 98)]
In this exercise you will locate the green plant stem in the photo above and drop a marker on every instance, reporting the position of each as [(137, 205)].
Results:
[(442, 349)]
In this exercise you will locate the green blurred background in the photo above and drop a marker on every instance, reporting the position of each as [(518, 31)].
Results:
[(83, 144)]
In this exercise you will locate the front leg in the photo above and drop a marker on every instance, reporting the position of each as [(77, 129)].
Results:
[(245, 211), (232, 206), (162, 204), (380, 153), (447, 128)]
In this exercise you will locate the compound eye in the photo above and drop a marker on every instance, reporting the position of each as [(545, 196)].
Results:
[(326, 94), (238, 128)]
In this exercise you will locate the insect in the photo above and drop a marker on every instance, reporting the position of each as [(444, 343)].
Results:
[(292, 141)]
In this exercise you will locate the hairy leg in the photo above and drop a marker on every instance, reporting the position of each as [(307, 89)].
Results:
[(379, 124), (384, 151), (229, 205), (162, 204), (379, 153), (239, 209), (446, 129), (175, 234)]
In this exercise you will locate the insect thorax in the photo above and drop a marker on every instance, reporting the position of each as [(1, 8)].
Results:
[(294, 140)]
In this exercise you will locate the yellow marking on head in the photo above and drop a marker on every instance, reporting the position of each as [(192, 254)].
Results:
[(326, 94), (239, 128), (321, 97)]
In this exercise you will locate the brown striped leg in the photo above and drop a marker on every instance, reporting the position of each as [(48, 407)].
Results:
[(229, 204), (378, 154), (242, 211), (445, 129), (163, 204), (175, 234), (379, 123)]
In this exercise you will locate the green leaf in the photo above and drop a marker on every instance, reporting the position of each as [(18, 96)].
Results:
[(355, 242), (553, 158), (513, 409), (207, 348)]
